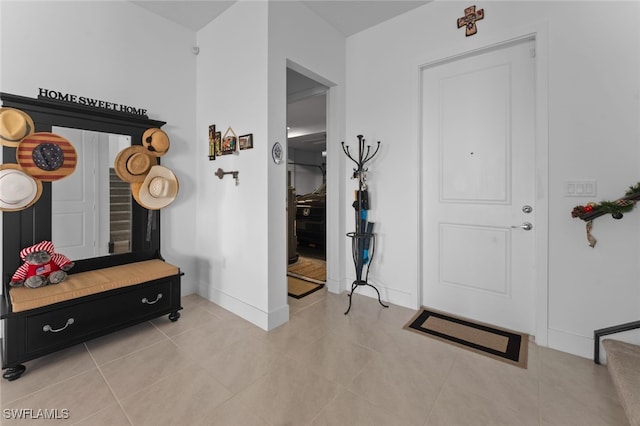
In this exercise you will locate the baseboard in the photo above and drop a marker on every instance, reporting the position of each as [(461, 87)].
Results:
[(584, 346), (333, 286), (264, 320), (277, 317), (571, 343), (388, 295)]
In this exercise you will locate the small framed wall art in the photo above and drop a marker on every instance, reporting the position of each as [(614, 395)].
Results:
[(246, 141), (217, 143), (212, 145), (229, 142)]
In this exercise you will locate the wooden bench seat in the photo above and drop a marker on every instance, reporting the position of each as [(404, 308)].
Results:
[(102, 296), (90, 282)]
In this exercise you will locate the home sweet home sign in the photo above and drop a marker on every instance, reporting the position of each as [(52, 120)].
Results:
[(91, 102)]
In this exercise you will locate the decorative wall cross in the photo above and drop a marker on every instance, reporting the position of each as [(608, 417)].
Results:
[(469, 20)]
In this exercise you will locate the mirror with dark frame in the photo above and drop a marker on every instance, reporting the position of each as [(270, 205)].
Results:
[(91, 208), (119, 227)]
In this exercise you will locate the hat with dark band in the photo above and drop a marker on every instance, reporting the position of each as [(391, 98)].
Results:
[(15, 125), (156, 141), (133, 163), (47, 156), (18, 190)]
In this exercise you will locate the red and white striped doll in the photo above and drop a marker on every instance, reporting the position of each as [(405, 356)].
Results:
[(42, 266)]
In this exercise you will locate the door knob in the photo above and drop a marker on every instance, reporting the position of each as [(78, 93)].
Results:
[(527, 226)]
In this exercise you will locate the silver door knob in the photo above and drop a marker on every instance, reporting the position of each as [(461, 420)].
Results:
[(527, 226)]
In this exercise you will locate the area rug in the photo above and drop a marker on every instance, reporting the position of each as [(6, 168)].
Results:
[(298, 288), (495, 342), (309, 269)]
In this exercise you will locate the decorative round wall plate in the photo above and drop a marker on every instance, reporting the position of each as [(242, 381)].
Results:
[(276, 153)]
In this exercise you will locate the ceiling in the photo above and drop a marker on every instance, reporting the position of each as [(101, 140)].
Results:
[(347, 16), (306, 111)]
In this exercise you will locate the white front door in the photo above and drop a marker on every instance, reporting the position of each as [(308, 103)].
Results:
[(478, 177)]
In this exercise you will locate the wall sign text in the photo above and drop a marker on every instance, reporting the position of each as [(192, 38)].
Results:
[(96, 103)]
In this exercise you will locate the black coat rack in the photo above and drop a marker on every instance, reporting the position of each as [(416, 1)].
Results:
[(363, 240)]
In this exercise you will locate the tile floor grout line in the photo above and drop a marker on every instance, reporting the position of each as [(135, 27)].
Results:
[(109, 387), (46, 387), (129, 353), (335, 397), (444, 382), (162, 379), (195, 362)]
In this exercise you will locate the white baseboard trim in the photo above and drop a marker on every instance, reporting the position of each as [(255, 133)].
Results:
[(265, 320), (277, 317), (570, 343), (388, 295), (333, 286)]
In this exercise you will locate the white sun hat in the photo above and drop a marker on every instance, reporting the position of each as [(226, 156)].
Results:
[(159, 189), (18, 190)]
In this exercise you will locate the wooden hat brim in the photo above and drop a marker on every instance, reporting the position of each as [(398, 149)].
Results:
[(120, 164), (13, 140), (24, 156), (158, 133), (148, 201)]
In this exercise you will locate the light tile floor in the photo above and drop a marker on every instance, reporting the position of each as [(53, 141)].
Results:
[(321, 368)]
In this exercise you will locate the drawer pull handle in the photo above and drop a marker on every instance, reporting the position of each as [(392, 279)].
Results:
[(47, 327), (145, 300)]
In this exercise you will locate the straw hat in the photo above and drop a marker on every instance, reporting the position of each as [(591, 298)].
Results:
[(133, 163), (15, 125), (47, 156), (158, 190), (156, 141), (18, 190)]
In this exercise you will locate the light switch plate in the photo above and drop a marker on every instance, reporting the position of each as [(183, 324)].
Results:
[(580, 188)]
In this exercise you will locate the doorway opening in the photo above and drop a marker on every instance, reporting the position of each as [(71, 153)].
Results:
[(306, 181)]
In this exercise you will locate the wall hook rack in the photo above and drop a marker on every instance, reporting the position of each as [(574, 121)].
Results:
[(220, 173), (363, 240), (363, 157)]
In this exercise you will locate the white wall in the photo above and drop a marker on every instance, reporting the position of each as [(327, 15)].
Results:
[(119, 52), (593, 60), (231, 219), (115, 51), (241, 237)]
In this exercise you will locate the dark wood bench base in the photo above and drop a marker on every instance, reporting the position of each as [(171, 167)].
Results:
[(37, 332)]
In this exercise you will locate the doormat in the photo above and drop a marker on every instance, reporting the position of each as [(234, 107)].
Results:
[(298, 288), (495, 342), (309, 269)]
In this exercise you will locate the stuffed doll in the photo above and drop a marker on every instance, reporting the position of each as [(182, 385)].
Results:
[(42, 266)]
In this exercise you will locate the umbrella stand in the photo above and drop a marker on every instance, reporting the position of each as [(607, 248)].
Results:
[(363, 240)]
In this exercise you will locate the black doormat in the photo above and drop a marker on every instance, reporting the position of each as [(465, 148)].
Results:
[(495, 342)]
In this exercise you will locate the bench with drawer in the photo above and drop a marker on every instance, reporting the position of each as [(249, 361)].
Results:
[(88, 304)]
